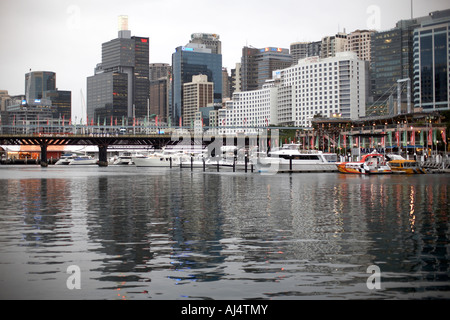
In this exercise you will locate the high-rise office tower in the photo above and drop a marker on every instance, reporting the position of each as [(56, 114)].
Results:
[(257, 65), (210, 40), (392, 59), (302, 50), (37, 82), (188, 61), (42, 85), (160, 75), (120, 86), (159, 70), (432, 63)]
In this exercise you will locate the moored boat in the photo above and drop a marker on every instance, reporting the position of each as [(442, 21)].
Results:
[(373, 163), (66, 159), (126, 158), (166, 158), (290, 158), (399, 164), (83, 160)]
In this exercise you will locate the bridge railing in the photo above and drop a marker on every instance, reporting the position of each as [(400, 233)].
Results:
[(94, 130)]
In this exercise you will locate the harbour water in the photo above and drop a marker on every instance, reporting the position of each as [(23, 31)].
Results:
[(156, 233)]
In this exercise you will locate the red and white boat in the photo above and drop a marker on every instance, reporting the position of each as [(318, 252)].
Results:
[(373, 163)]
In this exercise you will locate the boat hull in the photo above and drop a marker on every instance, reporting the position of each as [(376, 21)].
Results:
[(357, 168), (406, 166), (162, 162), (83, 162)]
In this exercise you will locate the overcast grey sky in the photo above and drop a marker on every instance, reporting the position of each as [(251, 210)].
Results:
[(65, 36)]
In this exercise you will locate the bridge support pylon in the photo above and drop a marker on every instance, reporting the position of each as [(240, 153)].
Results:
[(44, 162), (103, 155)]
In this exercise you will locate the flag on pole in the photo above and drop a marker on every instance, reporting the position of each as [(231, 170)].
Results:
[(444, 136), (405, 138), (413, 138)]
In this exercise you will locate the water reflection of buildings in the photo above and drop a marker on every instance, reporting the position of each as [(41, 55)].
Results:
[(199, 226), (44, 204), (340, 224)]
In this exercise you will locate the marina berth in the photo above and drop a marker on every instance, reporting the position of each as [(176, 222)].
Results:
[(373, 163)]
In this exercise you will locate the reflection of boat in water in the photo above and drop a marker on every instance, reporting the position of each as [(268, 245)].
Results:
[(166, 158), (83, 160), (373, 163), (66, 159), (291, 158), (399, 164)]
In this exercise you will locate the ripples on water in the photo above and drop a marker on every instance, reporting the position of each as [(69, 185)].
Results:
[(171, 234)]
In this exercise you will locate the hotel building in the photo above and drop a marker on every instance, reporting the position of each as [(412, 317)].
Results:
[(331, 87)]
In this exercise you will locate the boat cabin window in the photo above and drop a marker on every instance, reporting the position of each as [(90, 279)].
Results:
[(330, 157), (300, 157)]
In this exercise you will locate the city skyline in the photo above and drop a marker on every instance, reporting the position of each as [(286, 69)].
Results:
[(65, 36)]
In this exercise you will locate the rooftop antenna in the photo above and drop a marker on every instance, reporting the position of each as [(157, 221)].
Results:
[(412, 15)]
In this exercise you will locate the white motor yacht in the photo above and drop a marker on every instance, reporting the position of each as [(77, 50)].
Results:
[(166, 158), (290, 158), (126, 158), (66, 159), (83, 160)]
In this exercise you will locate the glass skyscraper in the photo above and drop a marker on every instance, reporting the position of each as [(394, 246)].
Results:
[(194, 59), (417, 49), (431, 64), (37, 82)]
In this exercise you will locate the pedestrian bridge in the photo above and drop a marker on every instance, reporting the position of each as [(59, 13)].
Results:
[(103, 141)]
